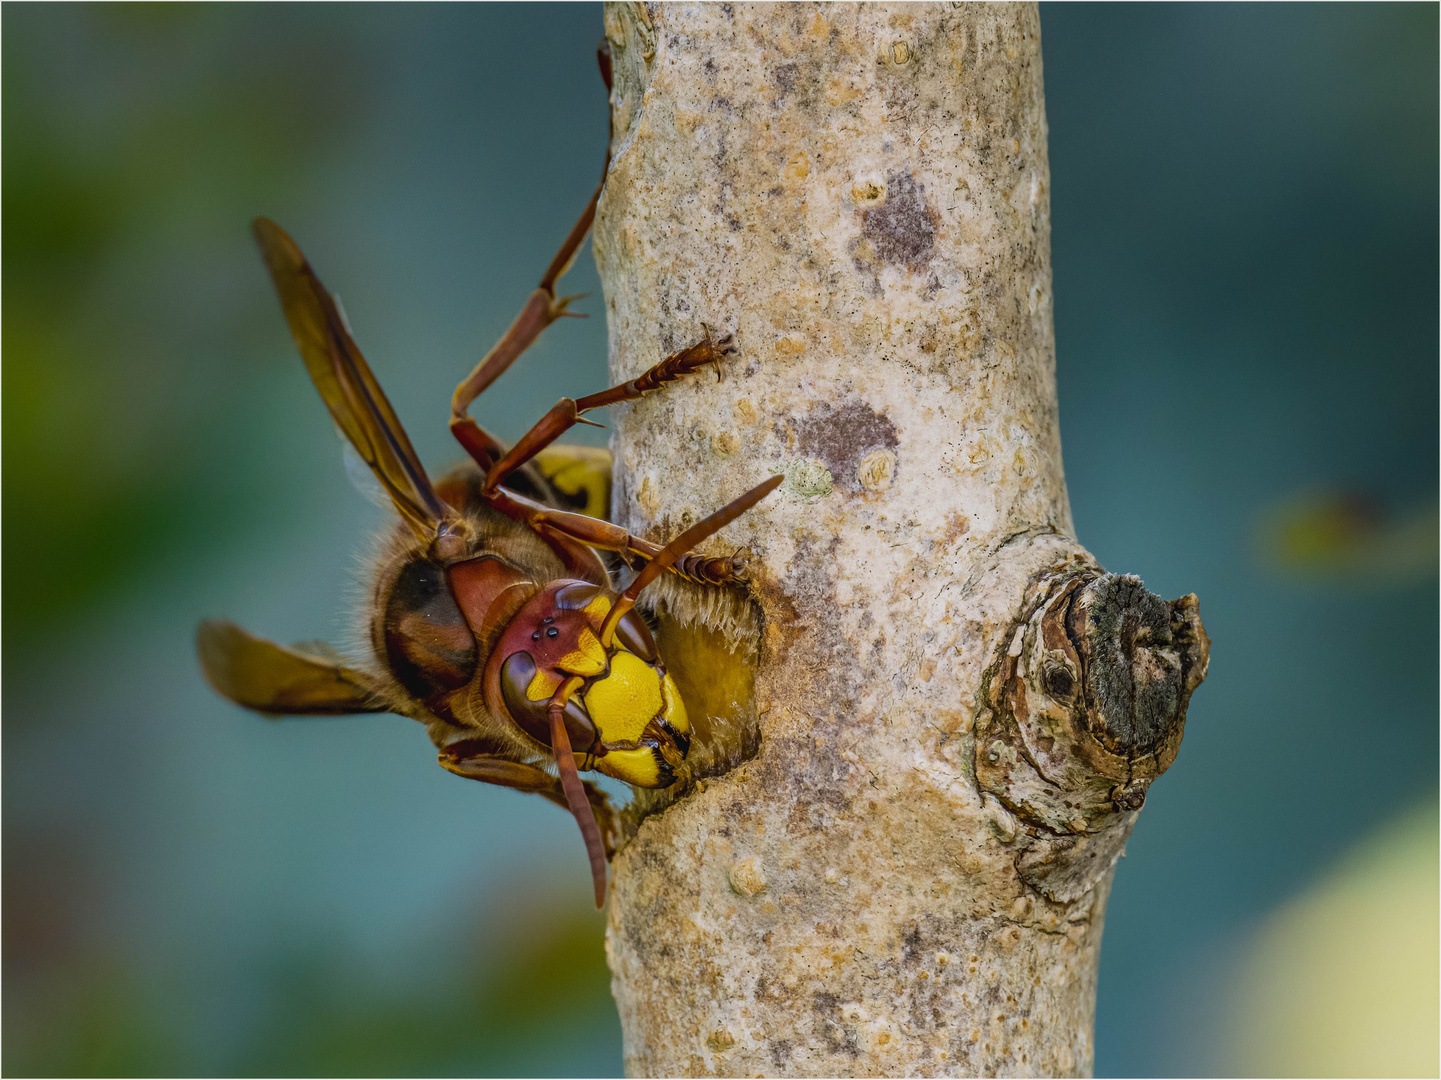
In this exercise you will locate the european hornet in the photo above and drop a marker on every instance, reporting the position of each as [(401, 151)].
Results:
[(492, 619)]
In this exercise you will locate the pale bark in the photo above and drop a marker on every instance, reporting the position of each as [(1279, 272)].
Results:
[(958, 711)]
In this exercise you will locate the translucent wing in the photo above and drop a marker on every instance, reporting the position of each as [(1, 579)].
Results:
[(360, 476), (346, 384), (272, 678)]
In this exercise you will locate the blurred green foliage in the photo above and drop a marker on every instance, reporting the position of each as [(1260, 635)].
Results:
[(524, 985), (91, 1021), (546, 977), (112, 205)]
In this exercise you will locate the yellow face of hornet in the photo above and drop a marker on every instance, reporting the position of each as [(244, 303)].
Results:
[(626, 719)]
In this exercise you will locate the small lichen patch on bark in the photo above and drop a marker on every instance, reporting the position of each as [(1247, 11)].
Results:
[(808, 480), (877, 470), (746, 877)]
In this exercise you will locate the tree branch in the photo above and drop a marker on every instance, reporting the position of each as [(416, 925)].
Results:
[(922, 745)]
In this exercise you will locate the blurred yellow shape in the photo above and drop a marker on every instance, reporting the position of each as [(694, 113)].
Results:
[(1347, 535), (1343, 980)]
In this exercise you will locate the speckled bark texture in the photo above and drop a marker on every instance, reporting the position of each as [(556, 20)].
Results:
[(959, 712)]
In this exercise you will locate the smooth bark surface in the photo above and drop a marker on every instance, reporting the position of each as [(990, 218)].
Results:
[(900, 859)]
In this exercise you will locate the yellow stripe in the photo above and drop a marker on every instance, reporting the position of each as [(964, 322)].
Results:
[(542, 687), (636, 767), (674, 708), (587, 659)]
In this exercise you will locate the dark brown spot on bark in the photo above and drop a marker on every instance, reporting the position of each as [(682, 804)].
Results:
[(840, 436), (785, 77), (902, 230), (838, 1037)]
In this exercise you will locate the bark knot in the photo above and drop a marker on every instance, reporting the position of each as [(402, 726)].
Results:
[(1085, 707)]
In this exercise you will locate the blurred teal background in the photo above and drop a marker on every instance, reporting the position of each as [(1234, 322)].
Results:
[(1245, 246)]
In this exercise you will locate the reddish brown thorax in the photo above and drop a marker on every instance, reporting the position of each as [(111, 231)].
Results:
[(489, 592)]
